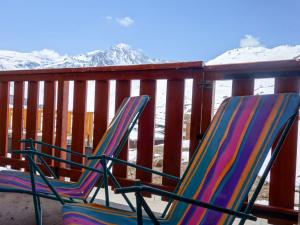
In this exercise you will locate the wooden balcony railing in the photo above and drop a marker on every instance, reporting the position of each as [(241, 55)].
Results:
[(55, 115)]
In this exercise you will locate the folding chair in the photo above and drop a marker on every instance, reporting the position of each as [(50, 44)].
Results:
[(94, 171), (221, 172)]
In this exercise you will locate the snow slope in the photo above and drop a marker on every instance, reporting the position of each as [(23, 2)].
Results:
[(254, 54)]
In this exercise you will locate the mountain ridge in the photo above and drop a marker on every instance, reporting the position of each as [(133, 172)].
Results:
[(120, 54), (123, 54)]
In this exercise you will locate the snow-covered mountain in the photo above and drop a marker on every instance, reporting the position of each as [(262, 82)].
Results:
[(12, 60), (121, 54), (254, 54)]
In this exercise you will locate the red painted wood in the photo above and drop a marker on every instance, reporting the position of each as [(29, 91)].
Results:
[(283, 68), (146, 131), (173, 130), (4, 94), (139, 72), (242, 87), (32, 109), (49, 117), (61, 119), (122, 91), (196, 113), (208, 91), (79, 109), (17, 122), (283, 173), (101, 110)]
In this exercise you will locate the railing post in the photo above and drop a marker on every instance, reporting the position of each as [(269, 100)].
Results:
[(122, 91), (4, 94), (242, 87), (283, 173), (207, 104), (32, 109), (101, 110), (173, 130), (197, 98), (146, 131), (61, 120), (18, 116), (48, 117), (202, 102), (79, 110)]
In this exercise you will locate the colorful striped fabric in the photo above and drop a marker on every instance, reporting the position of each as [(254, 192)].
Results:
[(92, 214), (224, 167), (116, 132)]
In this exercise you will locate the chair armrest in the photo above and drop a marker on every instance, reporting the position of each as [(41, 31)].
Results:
[(53, 146), (32, 152), (146, 169), (156, 191)]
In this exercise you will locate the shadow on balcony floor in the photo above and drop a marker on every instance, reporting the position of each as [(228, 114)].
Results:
[(17, 209)]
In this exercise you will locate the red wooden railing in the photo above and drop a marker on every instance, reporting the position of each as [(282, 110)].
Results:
[(55, 107), (283, 174)]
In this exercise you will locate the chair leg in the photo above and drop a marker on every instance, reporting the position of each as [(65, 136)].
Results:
[(117, 185), (97, 191), (37, 209), (139, 212), (36, 198), (105, 182), (242, 222)]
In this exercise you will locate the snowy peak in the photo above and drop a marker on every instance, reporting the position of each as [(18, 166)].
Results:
[(11, 60), (255, 54), (121, 54)]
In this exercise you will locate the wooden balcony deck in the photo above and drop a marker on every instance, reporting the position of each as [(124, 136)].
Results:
[(55, 120)]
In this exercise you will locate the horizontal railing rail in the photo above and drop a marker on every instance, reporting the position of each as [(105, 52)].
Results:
[(134, 72), (56, 124)]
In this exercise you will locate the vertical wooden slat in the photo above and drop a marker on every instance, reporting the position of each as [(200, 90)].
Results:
[(173, 129), (79, 109), (242, 87), (283, 173), (196, 113), (101, 110), (61, 119), (122, 91), (48, 117), (4, 103), (17, 123), (207, 104), (32, 109), (146, 131)]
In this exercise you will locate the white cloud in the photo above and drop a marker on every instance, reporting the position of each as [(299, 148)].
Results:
[(108, 17), (249, 41), (125, 21)]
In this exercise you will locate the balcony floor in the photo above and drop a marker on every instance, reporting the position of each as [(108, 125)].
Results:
[(17, 209)]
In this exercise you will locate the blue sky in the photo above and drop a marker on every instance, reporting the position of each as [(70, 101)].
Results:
[(173, 30)]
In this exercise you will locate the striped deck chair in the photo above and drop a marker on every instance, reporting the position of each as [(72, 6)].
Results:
[(222, 170), (110, 145)]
